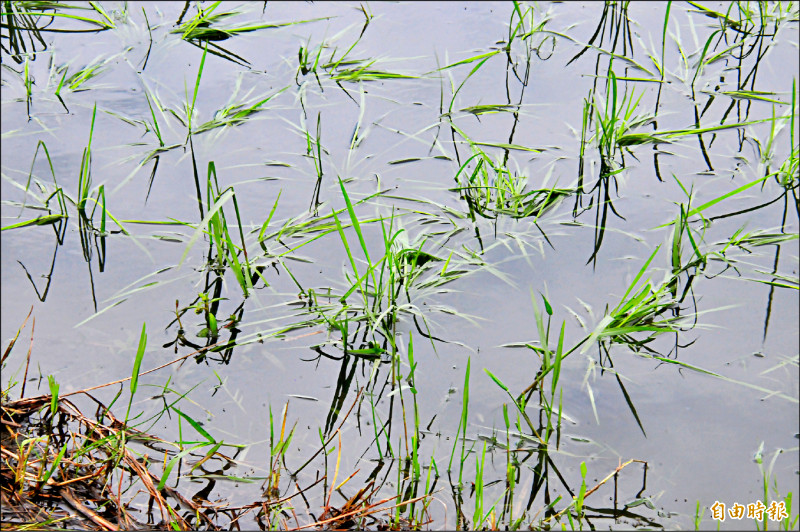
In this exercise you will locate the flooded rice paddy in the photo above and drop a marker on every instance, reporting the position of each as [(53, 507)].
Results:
[(482, 257)]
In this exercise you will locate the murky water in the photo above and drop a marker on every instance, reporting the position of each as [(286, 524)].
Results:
[(698, 432)]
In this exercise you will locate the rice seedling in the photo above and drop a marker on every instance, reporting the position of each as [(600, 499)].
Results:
[(204, 28), (28, 87), (51, 381), (215, 225), (775, 507), (316, 157), (236, 113), (45, 219), (77, 81), (27, 16), (304, 56), (84, 174), (698, 516), (478, 517), (372, 300), (200, 28), (19, 25), (349, 69), (540, 441), (511, 475), (362, 72), (609, 145), (642, 312), (491, 190), (580, 497), (667, 135), (614, 119), (789, 171), (462, 430), (277, 451)]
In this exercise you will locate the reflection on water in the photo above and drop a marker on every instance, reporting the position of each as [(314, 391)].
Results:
[(386, 215)]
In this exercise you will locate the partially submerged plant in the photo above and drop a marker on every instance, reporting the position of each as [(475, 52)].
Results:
[(491, 190)]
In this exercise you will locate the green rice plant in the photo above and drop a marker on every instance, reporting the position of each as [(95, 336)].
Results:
[(154, 124), (483, 58), (54, 386), (189, 110), (236, 113), (643, 312), (137, 364), (87, 225), (353, 70), (698, 260), (203, 30), (662, 67), (305, 66), (698, 516), (631, 139), (698, 210), (491, 190), (45, 219), (227, 251), (195, 446), (76, 82), (155, 153), (211, 329), (40, 16), (550, 361), (359, 280), (58, 193), (200, 28), (788, 174), (412, 466), (277, 451), (549, 421), (645, 309), (521, 28), (702, 252), (462, 428), (28, 87), (215, 225), (615, 117), (512, 467), (752, 239), (776, 504), (579, 499), (362, 71), (88, 228), (316, 156), (609, 168), (383, 291), (19, 25), (49, 473), (84, 174), (478, 518), (418, 519)]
